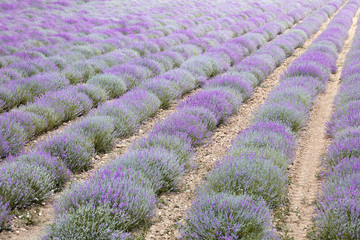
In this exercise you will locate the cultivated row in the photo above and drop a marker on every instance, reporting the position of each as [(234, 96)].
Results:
[(238, 196), (56, 107), (338, 210), (128, 185), (47, 167)]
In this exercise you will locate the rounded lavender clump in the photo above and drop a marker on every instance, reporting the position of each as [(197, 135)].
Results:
[(311, 84), (182, 77), (226, 216), (179, 144), (144, 104), (248, 174), (286, 114), (69, 102), (73, 148), (343, 148), (312, 69), (113, 85), (5, 216), (40, 84), (23, 183), (132, 74), (338, 210), (94, 92), (164, 89), (295, 96), (12, 136), (124, 119), (56, 168), (215, 100), (89, 222), (233, 82), (181, 122), (100, 129), (53, 118), (121, 192), (206, 116), (154, 66), (160, 166), (32, 123), (200, 66)]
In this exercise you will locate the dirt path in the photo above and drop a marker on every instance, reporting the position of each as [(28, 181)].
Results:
[(312, 146), (172, 206), (42, 215)]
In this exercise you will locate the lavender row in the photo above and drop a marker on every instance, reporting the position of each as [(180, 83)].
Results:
[(84, 61), (50, 111), (76, 145), (125, 114), (237, 199), (337, 208), (154, 165), (75, 23)]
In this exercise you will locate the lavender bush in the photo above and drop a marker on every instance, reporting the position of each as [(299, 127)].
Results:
[(124, 119), (120, 192), (12, 136), (100, 129), (182, 77), (31, 123), (144, 104), (214, 100), (96, 93), (161, 167), (60, 173), (165, 90), (226, 216), (236, 175), (74, 149), (113, 85), (23, 183), (180, 122), (179, 144), (89, 222), (5, 216)]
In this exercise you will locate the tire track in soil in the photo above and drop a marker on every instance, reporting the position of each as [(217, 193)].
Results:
[(172, 206), (312, 145), (43, 213)]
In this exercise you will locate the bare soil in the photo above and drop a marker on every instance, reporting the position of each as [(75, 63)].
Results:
[(312, 146), (172, 206), (33, 221)]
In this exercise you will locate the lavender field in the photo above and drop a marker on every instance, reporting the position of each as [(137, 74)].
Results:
[(181, 119)]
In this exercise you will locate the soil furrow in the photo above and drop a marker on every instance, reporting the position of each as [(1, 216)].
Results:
[(172, 206), (42, 215), (312, 145)]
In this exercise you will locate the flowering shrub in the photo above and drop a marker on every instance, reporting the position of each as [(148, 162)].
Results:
[(5, 216), (100, 129), (124, 119), (165, 90), (163, 168), (226, 216), (101, 222), (120, 192), (73, 148), (23, 183), (96, 93), (251, 175), (114, 86), (12, 136), (179, 144)]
